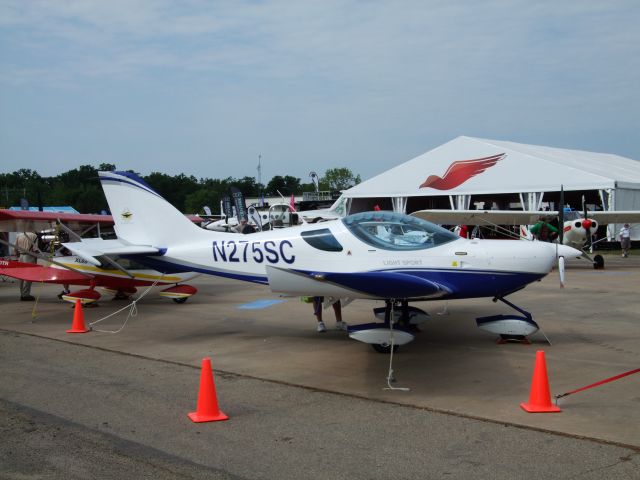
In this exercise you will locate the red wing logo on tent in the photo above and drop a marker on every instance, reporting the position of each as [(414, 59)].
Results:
[(461, 171)]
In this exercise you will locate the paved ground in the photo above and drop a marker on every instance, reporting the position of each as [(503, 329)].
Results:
[(103, 405)]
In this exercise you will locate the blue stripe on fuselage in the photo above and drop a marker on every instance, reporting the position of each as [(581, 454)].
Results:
[(455, 283), (476, 283), (170, 267)]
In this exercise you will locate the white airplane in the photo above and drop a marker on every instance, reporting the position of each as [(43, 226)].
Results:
[(370, 255), (276, 216), (576, 232)]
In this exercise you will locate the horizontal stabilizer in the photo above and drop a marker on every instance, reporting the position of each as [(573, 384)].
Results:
[(96, 247)]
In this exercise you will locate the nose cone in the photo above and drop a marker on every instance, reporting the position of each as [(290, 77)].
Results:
[(567, 252)]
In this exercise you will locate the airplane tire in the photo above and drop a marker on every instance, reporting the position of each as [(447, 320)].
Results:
[(598, 262), (180, 300), (380, 348)]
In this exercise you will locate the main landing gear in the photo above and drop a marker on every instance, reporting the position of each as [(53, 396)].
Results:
[(399, 323), (510, 328), (598, 262), (179, 293)]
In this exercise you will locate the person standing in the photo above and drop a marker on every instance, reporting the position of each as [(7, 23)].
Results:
[(337, 309), (26, 243), (625, 240), (544, 231)]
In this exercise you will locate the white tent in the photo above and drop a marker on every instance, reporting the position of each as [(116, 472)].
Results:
[(467, 169)]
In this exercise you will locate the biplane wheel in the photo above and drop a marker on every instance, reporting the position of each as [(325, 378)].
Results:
[(598, 262), (180, 300), (380, 348)]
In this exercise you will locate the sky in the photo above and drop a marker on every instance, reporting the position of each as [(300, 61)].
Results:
[(205, 88)]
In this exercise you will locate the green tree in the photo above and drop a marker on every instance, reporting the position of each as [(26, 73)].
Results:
[(203, 196), (23, 183), (338, 179), (174, 189), (248, 186), (79, 188), (285, 185)]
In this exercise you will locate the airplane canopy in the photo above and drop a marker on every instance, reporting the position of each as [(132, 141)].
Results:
[(474, 166)]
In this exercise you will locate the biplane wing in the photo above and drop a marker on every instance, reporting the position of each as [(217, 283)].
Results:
[(38, 273), (28, 221)]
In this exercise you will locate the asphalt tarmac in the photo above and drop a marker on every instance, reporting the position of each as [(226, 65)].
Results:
[(309, 405)]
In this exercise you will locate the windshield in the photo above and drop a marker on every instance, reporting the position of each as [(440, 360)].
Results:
[(395, 231)]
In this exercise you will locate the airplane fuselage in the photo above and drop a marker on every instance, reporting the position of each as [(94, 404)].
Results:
[(382, 255), (459, 268)]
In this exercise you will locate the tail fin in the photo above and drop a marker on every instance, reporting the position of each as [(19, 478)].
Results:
[(141, 215)]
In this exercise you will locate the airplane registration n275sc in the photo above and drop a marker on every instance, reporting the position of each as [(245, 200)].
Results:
[(372, 255)]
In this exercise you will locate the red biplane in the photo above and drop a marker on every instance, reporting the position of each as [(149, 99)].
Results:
[(115, 274)]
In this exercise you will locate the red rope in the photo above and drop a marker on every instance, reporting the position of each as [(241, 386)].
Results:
[(601, 382)]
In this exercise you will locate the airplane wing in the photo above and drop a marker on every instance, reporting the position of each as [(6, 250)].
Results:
[(29, 221), (604, 218), (38, 273), (378, 284), (516, 217), (483, 217)]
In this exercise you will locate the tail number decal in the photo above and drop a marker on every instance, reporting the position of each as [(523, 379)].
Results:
[(244, 251)]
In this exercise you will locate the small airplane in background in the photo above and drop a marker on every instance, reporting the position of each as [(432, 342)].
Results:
[(114, 274), (372, 255), (121, 282), (279, 215), (577, 227)]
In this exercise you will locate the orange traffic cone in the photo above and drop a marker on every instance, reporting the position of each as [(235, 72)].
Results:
[(78, 319), (207, 409), (540, 396)]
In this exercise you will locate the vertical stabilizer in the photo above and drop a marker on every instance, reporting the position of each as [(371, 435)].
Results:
[(141, 215)]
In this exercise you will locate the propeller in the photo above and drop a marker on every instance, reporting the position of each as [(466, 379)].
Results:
[(561, 217), (561, 236)]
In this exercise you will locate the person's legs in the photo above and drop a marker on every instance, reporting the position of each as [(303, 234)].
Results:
[(337, 309), (25, 287), (317, 311), (626, 246)]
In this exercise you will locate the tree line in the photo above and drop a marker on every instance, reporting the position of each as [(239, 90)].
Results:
[(80, 188)]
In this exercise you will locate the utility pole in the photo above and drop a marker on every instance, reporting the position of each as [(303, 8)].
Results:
[(259, 170), (260, 178)]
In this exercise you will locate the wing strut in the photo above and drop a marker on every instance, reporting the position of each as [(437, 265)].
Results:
[(115, 264)]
